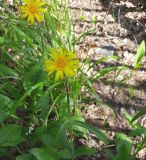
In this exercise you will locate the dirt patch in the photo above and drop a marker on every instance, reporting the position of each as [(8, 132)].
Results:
[(113, 28)]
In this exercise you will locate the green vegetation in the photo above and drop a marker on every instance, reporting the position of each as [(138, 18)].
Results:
[(40, 117)]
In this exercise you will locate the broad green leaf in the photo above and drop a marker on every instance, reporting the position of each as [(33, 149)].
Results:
[(44, 104), (3, 115), (109, 154), (92, 129), (45, 153), (55, 135), (123, 139), (139, 114), (122, 154), (11, 135), (78, 129), (123, 145), (6, 105), (139, 55), (3, 152), (34, 76), (5, 102), (138, 132), (84, 150), (24, 157), (65, 154)]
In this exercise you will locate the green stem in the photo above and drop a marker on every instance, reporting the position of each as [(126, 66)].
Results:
[(69, 115), (67, 95), (50, 110), (42, 42)]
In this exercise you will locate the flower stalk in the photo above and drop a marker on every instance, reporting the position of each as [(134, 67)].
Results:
[(69, 116)]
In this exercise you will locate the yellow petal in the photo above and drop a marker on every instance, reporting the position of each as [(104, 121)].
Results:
[(48, 62), (30, 19), (69, 72), (23, 9), (54, 54), (26, 1), (59, 75), (42, 10), (72, 55), (61, 51), (41, 4), (39, 17), (50, 68), (73, 63), (36, 4), (24, 15), (51, 71)]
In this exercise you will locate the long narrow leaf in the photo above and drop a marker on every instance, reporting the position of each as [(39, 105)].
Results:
[(139, 114), (139, 55), (93, 129)]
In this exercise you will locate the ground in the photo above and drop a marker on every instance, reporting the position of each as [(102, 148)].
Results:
[(115, 28)]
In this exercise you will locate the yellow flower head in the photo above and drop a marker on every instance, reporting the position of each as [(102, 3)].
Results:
[(62, 62), (32, 10)]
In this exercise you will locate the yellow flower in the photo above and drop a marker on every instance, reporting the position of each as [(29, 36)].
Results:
[(62, 62), (32, 10)]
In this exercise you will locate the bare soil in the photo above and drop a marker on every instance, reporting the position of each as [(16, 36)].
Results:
[(114, 28)]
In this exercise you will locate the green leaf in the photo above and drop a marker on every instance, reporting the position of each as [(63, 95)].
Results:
[(78, 129), (24, 157), (139, 55), (139, 114), (92, 89), (34, 76), (6, 105), (129, 118), (5, 102), (2, 40), (107, 70), (84, 34), (4, 152), (92, 129), (65, 154), (45, 153), (101, 60), (12, 90), (6, 71), (84, 150), (3, 116), (10, 135), (109, 154), (131, 91), (123, 154), (138, 132), (123, 145), (123, 139), (55, 135), (28, 93), (44, 104)]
